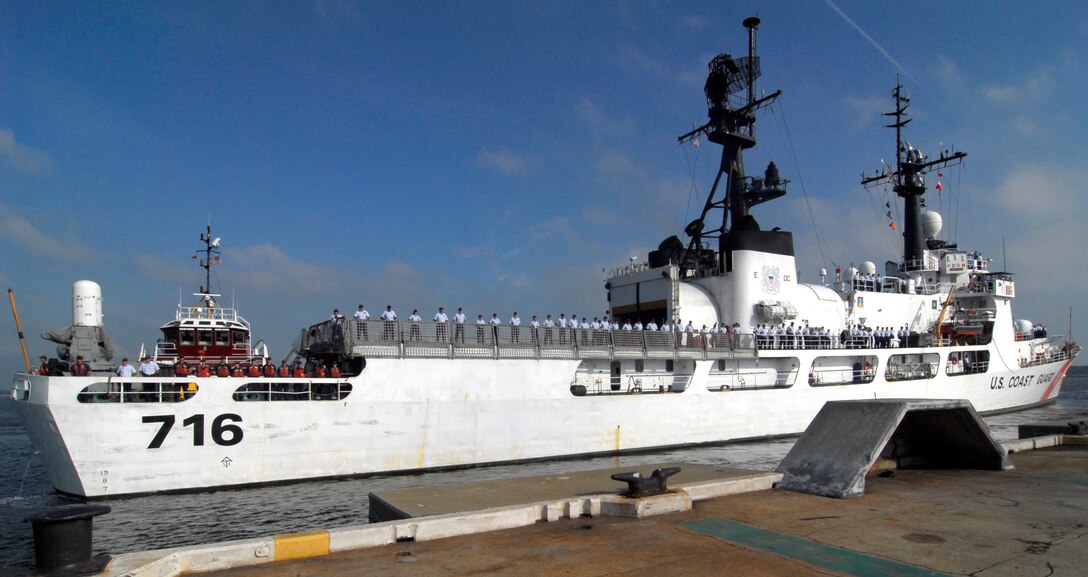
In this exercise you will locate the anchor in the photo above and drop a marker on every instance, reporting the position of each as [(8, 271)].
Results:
[(639, 486)]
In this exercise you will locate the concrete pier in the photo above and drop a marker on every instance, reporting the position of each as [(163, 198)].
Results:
[(1029, 520)]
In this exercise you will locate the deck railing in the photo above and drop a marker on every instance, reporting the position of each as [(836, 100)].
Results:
[(426, 339)]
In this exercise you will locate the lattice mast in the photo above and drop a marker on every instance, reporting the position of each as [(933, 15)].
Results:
[(732, 125), (211, 256), (909, 180)]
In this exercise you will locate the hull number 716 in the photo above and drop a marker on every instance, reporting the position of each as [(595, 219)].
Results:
[(224, 431)]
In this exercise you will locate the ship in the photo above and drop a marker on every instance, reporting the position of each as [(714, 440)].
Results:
[(711, 340)]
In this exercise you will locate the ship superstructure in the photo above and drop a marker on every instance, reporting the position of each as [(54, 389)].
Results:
[(206, 329)]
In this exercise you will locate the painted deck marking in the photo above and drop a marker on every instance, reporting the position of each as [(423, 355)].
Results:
[(807, 551)]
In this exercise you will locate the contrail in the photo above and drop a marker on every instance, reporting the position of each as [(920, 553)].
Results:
[(873, 42)]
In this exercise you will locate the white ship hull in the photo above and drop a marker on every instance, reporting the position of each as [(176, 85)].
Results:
[(749, 352), (416, 414)]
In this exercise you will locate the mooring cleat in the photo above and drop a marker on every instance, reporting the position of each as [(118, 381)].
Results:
[(639, 486)]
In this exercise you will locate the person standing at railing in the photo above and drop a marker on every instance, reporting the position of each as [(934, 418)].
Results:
[(534, 326), (651, 326), (125, 370), (549, 326), (413, 330), (515, 327), (459, 326), (181, 367), (148, 367), (480, 324), (389, 327), (440, 328), (363, 315), (222, 369)]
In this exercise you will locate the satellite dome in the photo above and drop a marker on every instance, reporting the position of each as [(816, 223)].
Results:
[(868, 267), (931, 223)]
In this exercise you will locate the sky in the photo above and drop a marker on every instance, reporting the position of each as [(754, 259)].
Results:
[(500, 155)]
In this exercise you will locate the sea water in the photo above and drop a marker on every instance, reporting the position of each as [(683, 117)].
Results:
[(160, 521)]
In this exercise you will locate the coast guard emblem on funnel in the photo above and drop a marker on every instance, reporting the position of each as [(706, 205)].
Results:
[(771, 280)]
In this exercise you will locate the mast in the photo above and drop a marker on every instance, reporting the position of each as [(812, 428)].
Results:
[(909, 181), (211, 256), (732, 125)]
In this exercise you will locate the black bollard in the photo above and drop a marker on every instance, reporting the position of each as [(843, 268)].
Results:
[(639, 486), (62, 539)]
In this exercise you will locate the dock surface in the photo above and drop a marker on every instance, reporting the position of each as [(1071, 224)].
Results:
[(425, 501), (1031, 520)]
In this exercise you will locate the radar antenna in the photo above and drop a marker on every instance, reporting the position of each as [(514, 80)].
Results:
[(731, 105)]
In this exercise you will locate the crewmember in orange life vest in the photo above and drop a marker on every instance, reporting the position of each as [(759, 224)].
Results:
[(284, 370), (222, 369), (203, 370), (334, 372), (269, 368), (181, 368), (321, 371), (80, 368), (236, 370), (298, 372), (253, 370), (43, 368)]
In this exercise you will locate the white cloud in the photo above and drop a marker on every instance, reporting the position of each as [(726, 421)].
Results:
[(867, 109), (586, 110), (1042, 193), (338, 10), (1035, 89), (473, 251), (633, 57), (22, 157), (652, 197), (265, 268), (21, 232), (502, 160), (950, 74), (693, 21)]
